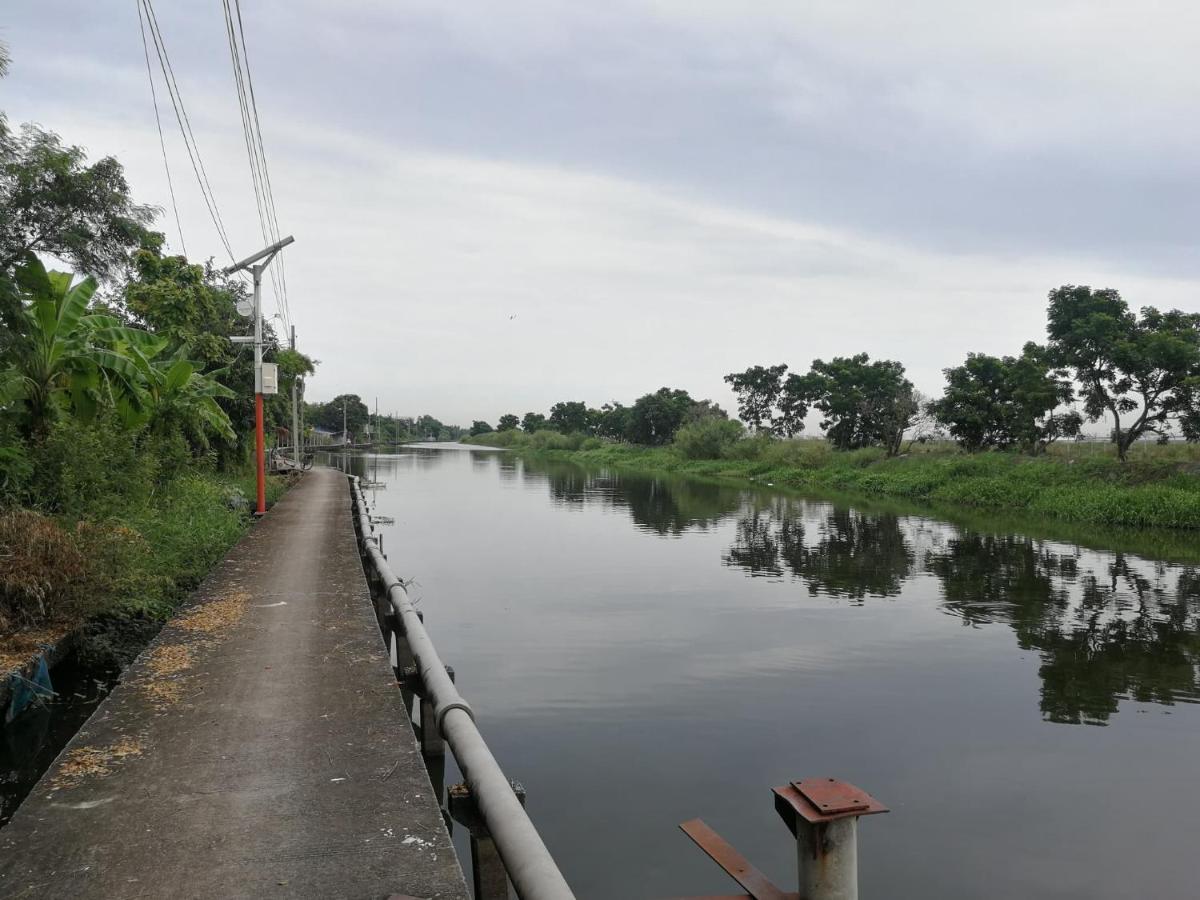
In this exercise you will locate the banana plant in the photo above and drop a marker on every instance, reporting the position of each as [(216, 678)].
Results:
[(65, 360), (179, 393)]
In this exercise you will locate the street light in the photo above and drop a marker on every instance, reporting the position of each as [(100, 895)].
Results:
[(256, 264)]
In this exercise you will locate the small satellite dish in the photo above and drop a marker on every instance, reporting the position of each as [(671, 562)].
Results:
[(245, 307)]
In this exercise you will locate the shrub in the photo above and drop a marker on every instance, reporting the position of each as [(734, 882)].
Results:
[(750, 449), (708, 438), (42, 570), (90, 471), (121, 569)]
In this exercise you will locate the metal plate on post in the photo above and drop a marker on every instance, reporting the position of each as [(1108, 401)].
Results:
[(824, 800)]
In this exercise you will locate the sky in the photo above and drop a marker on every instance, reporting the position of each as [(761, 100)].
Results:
[(498, 207)]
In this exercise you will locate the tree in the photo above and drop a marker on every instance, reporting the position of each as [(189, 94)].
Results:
[(611, 420), (532, 422), (356, 412), (195, 308), (508, 422), (654, 418), (430, 428), (52, 201), (1143, 372), (192, 305), (1001, 402), (758, 391), (704, 410), (569, 417), (480, 427), (864, 403), (66, 360)]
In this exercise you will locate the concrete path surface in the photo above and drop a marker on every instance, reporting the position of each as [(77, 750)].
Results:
[(259, 747)]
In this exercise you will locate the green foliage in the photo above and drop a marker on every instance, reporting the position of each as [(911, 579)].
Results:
[(1002, 402), (612, 421), (480, 427), (67, 360), (350, 406), (53, 202), (89, 470), (709, 438), (507, 422), (760, 391), (1144, 372), (864, 403), (1160, 491), (139, 559), (569, 417), (532, 422), (654, 418), (536, 442)]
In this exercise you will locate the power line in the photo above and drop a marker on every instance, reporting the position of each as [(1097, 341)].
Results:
[(185, 125), (262, 154), (158, 121), (264, 199)]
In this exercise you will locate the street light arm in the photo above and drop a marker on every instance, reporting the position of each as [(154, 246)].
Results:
[(261, 254)]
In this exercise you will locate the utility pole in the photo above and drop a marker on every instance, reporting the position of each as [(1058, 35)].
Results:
[(345, 437), (295, 411), (256, 264)]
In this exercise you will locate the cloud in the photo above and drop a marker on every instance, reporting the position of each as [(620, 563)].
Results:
[(659, 193)]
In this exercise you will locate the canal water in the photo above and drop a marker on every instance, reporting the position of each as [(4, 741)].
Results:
[(643, 650)]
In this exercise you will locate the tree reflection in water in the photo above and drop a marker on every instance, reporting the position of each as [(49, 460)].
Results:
[(1108, 626)]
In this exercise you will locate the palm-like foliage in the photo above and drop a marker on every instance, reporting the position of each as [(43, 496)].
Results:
[(181, 396), (65, 360), (69, 361)]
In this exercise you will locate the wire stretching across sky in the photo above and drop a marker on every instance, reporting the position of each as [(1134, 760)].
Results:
[(162, 143), (181, 117), (264, 198)]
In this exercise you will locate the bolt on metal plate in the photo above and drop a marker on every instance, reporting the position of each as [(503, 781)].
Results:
[(824, 800)]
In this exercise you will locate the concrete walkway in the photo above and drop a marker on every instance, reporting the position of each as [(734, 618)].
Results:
[(258, 747)]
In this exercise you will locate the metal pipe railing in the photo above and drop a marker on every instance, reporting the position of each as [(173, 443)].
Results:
[(531, 868)]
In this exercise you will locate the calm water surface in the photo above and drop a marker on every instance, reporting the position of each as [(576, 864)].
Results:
[(643, 650)]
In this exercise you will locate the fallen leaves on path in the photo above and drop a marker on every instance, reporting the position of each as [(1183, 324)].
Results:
[(83, 762)]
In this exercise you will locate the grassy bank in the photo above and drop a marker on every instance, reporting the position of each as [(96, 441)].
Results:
[(1154, 490), (137, 562)]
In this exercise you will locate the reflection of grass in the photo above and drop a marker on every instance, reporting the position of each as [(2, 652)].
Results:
[(1159, 491)]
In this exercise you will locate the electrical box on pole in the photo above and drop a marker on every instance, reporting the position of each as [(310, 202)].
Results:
[(270, 378)]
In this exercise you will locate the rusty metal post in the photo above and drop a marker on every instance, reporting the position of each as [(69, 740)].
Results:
[(488, 875), (828, 855), (823, 814)]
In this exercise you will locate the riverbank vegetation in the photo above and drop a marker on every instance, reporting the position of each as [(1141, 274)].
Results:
[(125, 409), (1006, 433), (1157, 489)]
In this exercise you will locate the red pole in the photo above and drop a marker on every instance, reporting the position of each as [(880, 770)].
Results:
[(259, 452)]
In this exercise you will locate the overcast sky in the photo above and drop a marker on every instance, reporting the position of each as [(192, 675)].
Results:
[(498, 206)]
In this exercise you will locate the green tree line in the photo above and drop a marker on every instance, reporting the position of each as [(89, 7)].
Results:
[(1140, 370)]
